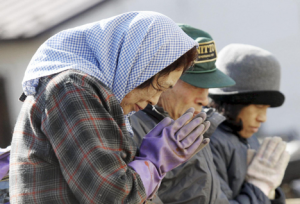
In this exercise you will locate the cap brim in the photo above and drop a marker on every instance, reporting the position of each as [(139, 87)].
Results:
[(272, 98), (215, 79)]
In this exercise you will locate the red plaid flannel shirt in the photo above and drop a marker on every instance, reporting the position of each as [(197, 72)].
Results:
[(70, 145)]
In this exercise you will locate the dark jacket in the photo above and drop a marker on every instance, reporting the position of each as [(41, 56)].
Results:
[(230, 157), (71, 145), (195, 181)]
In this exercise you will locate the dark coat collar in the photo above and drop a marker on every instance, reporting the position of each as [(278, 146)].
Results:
[(228, 127), (156, 112)]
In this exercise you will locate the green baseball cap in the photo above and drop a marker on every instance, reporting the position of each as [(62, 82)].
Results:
[(204, 73)]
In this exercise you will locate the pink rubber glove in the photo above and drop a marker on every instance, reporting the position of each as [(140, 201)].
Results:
[(169, 144)]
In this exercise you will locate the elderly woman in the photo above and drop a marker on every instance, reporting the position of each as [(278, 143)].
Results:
[(72, 142)]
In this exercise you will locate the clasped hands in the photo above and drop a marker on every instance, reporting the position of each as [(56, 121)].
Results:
[(171, 143), (266, 167)]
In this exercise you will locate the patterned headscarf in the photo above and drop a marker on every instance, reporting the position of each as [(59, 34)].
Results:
[(122, 52)]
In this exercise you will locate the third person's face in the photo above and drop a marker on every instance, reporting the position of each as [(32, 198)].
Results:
[(182, 97), (252, 116)]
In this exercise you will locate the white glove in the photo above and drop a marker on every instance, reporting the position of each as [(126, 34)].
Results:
[(250, 155), (267, 168)]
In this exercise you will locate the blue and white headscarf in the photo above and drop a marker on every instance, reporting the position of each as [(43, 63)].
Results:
[(122, 52)]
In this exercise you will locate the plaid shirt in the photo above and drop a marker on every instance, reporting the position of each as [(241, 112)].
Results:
[(70, 145)]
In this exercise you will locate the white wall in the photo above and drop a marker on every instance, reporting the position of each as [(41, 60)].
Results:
[(272, 25)]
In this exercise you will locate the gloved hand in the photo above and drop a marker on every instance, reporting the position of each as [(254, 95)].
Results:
[(250, 155), (4, 163), (169, 144), (267, 168), (215, 120)]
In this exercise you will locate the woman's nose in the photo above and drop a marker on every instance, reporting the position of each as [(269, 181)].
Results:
[(154, 99), (262, 117)]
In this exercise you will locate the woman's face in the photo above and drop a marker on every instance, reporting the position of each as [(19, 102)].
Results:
[(252, 116), (138, 99)]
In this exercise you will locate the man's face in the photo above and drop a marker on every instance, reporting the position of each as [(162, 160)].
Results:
[(182, 97), (252, 116)]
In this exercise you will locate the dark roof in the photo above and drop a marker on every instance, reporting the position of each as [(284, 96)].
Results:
[(28, 18)]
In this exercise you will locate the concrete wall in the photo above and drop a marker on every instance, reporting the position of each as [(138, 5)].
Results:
[(272, 25)]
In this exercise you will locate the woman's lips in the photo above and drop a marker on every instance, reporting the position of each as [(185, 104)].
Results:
[(137, 108), (254, 129)]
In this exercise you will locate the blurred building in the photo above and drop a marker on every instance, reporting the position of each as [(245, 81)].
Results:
[(24, 26)]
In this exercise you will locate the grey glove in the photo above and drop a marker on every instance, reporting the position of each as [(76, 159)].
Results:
[(215, 120)]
